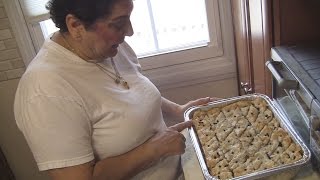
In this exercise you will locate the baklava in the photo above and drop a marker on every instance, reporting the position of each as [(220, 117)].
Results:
[(243, 137)]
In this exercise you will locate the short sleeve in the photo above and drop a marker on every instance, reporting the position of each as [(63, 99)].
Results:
[(57, 131), (50, 114)]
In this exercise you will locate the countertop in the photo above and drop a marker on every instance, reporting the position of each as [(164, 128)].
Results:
[(190, 165), (192, 170)]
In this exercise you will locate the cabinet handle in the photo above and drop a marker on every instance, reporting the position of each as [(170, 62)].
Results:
[(246, 88)]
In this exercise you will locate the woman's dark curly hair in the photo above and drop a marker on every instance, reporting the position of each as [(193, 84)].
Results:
[(87, 11)]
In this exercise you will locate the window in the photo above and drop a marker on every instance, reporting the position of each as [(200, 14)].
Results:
[(182, 45), (167, 32), (48, 27), (163, 26), (158, 31)]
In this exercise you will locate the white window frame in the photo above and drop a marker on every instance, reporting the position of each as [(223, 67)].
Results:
[(20, 30), (201, 64), (213, 48)]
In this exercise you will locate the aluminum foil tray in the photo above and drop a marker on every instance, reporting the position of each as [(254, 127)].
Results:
[(284, 123)]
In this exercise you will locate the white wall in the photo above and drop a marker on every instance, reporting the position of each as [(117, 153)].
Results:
[(11, 64), (12, 141)]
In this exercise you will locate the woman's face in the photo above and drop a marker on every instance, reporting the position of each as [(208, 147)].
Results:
[(102, 39)]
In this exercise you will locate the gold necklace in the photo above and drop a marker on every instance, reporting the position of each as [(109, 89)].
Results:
[(118, 79)]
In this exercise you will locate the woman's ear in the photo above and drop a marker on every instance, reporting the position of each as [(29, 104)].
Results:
[(75, 27)]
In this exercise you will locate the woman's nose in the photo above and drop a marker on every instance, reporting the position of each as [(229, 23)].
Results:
[(129, 31)]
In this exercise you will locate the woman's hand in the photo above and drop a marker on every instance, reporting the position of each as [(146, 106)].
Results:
[(201, 101), (177, 110), (169, 142)]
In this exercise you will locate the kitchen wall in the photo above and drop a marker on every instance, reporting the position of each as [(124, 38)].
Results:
[(11, 64), (12, 141)]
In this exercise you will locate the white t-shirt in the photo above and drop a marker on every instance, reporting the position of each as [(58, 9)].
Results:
[(71, 112)]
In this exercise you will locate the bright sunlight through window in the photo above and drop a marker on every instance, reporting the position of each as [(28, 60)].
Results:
[(162, 26)]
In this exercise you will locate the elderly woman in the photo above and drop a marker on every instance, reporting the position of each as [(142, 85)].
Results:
[(84, 107)]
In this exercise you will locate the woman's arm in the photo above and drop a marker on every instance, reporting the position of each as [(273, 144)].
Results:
[(118, 167), (166, 143)]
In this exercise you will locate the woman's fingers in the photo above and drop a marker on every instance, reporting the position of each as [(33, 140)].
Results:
[(181, 126), (201, 101), (171, 141), (215, 99)]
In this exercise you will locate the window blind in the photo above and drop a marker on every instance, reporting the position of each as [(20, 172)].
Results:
[(34, 10)]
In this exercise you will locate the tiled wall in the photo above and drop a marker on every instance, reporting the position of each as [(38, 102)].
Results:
[(11, 64)]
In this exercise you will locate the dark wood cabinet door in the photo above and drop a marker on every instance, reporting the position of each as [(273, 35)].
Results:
[(296, 22)]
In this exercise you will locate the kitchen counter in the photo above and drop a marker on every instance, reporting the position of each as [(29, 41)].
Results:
[(192, 170), (190, 165)]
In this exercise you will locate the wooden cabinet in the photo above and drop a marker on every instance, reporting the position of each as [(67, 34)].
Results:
[(296, 21), (253, 37), (262, 24)]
